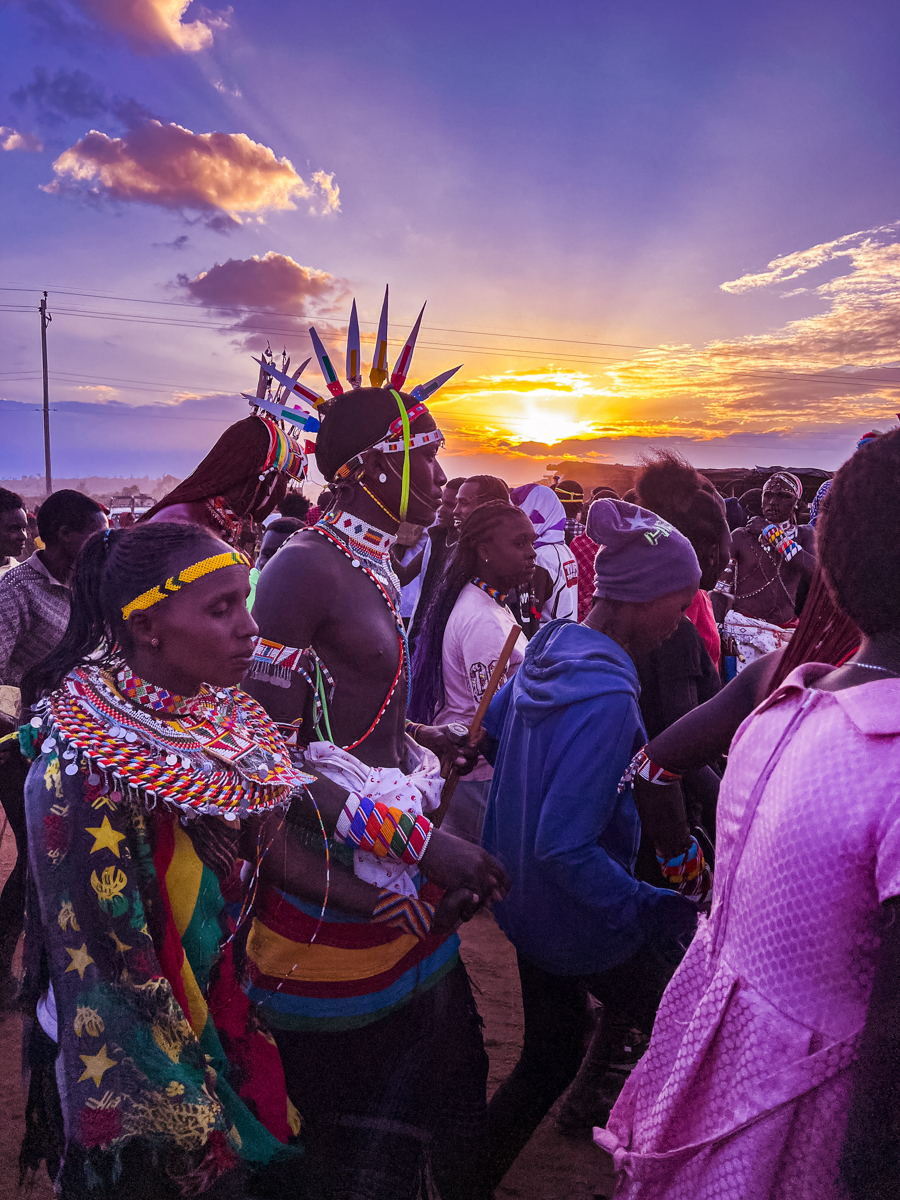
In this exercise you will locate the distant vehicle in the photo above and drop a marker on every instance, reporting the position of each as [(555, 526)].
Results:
[(130, 506)]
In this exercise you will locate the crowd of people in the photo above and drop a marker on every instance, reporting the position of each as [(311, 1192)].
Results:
[(281, 753)]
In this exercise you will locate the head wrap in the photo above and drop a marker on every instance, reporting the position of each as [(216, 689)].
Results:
[(868, 437), (544, 509), (788, 479), (641, 556)]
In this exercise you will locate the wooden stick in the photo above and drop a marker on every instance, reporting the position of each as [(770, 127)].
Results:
[(475, 728)]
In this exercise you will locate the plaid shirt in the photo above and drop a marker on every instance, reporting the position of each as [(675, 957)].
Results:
[(34, 613), (585, 552)]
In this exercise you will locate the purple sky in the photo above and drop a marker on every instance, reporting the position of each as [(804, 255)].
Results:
[(585, 176)]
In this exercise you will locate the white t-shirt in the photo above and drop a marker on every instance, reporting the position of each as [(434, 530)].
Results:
[(559, 561), (473, 639), (7, 565)]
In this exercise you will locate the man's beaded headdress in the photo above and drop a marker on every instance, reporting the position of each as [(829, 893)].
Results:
[(396, 438)]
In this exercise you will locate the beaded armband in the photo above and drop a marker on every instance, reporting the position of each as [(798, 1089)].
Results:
[(642, 765), (688, 872), (773, 537), (405, 912), (383, 831)]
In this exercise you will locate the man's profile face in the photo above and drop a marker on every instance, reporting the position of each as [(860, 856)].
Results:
[(13, 532)]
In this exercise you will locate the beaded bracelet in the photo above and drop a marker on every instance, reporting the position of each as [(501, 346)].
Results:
[(383, 831), (406, 912), (688, 872), (774, 536), (644, 766)]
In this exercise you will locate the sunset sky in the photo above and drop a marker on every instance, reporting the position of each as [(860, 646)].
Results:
[(636, 224)]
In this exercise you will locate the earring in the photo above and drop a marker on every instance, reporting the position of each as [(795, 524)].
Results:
[(382, 478), (154, 643)]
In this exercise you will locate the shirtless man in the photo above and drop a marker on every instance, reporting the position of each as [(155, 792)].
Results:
[(774, 556), (375, 1023)]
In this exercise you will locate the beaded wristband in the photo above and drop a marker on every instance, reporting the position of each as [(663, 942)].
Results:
[(407, 913), (383, 831), (644, 766), (688, 872), (774, 536)]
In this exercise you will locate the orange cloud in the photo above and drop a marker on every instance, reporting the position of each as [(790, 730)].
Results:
[(172, 167), (12, 139), (151, 25)]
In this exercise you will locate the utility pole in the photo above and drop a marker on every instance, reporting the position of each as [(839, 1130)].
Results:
[(45, 321)]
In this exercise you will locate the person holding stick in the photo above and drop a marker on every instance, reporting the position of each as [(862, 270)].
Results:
[(564, 730), (463, 632)]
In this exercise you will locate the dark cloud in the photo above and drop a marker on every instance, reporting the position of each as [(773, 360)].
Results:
[(74, 95), (178, 244)]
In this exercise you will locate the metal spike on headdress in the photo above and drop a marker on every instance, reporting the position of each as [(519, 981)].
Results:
[(295, 388), (379, 372), (325, 365), (354, 360), (422, 391), (283, 392), (303, 420), (401, 366)]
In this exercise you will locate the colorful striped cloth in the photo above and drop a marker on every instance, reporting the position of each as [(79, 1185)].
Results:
[(354, 973)]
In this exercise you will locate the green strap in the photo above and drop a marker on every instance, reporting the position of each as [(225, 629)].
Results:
[(404, 488)]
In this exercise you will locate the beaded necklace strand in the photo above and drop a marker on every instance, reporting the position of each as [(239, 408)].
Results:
[(327, 532), (494, 593)]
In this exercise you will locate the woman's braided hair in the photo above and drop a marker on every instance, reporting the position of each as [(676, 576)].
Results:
[(427, 690), (112, 568)]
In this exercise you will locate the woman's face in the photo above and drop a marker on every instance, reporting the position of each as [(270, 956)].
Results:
[(205, 634), (510, 551)]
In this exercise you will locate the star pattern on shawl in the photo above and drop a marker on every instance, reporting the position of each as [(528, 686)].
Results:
[(81, 960), (95, 1065), (105, 837)]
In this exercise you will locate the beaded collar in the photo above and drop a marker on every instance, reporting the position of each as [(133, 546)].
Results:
[(494, 593), (216, 752), (366, 544), (223, 515)]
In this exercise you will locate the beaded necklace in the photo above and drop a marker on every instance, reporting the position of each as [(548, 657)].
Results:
[(336, 527), (494, 593), (367, 544), (216, 752), (223, 515)]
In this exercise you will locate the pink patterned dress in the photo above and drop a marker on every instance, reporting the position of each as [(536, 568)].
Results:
[(745, 1089)]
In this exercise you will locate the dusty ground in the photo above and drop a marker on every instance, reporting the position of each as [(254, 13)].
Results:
[(550, 1168)]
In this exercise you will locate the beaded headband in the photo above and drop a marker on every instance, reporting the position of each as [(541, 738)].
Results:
[(285, 455), (206, 566)]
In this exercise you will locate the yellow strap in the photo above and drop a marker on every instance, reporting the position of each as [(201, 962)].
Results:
[(404, 487)]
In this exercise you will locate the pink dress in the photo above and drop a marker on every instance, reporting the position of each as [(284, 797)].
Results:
[(745, 1089)]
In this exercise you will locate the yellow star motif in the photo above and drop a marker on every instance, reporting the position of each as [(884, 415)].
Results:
[(81, 960), (105, 837), (95, 1065)]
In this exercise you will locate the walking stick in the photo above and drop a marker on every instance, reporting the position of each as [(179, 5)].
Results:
[(475, 728)]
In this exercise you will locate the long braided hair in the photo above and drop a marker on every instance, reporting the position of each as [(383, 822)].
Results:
[(112, 568), (427, 684)]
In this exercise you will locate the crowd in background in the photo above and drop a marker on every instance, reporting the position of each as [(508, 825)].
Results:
[(650, 627)]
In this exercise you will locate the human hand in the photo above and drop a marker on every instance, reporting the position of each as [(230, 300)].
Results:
[(454, 908), (453, 863), (756, 525), (451, 744)]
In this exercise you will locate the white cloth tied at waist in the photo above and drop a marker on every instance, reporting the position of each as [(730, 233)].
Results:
[(754, 636), (417, 793)]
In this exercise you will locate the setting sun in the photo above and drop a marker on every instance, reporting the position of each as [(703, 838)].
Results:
[(546, 427)]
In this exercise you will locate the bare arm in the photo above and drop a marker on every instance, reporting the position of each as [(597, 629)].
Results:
[(406, 572), (705, 733)]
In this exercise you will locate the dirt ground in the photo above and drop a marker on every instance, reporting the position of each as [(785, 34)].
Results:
[(551, 1167)]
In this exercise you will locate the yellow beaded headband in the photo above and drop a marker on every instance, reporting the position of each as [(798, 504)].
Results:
[(206, 566)]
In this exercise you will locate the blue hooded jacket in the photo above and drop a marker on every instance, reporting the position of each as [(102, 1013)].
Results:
[(568, 724)]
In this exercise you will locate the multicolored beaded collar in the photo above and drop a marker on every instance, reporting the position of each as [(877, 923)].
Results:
[(494, 593), (217, 752)]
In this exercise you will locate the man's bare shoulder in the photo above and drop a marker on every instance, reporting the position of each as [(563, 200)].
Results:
[(806, 535), (305, 561)]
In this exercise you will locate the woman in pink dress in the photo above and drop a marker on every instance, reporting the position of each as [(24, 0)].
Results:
[(773, 1065)]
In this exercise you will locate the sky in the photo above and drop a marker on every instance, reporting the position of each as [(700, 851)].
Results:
[(637, 225)]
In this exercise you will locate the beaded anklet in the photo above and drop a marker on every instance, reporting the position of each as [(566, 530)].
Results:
[(383, 831), (406, 912)]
